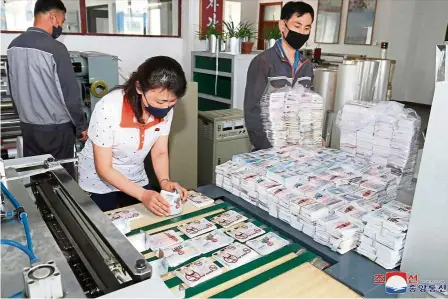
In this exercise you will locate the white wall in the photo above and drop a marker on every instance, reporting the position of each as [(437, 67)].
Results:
[(428, 29)]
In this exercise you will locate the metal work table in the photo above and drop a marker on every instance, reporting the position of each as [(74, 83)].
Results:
[(45, 247), (355, 271)]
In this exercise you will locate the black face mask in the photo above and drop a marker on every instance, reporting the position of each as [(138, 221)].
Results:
[(157, 112), (296, 40), (57, 31)]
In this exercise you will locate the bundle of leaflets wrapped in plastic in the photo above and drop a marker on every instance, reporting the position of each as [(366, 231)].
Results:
[(325, 193), (385, 234), (385, 133), (291, 115)]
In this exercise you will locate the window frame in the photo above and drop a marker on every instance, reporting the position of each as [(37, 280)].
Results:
[(83, 17)]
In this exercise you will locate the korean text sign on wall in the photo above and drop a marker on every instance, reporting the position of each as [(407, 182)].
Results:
[(211, 13)]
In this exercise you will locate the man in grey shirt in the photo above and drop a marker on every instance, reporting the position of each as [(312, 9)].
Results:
[(44, 87), (283, 59)]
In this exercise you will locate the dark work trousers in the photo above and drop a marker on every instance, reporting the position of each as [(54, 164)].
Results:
[(114, 200), (56, 140)]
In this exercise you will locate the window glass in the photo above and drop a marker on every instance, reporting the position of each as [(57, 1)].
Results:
[(272, 12), (139, 17), (135, 17), (18, 15)]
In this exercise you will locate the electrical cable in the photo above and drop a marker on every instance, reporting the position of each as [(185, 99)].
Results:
[(15, 244)]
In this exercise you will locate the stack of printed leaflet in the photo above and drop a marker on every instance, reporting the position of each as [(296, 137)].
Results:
[(211, 241), (404, 146), (350, 118), (122, 219), (309, 214), (199, 200), (198, 271), (384, 133), (196, 227), (235, 255), (307, 184), (384, 130), (178, 254), (338, 233), (384, 235), (229, 218), (244, 231), (292, 116), (223, 174), (272, 117), (163, 240), (267, 243)]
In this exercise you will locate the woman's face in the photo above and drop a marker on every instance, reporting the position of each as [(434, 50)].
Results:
[(158, 98)]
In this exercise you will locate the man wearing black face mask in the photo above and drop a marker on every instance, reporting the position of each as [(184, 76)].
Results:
[(284, 59), (44, 87)]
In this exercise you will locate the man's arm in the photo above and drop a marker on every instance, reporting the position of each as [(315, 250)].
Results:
[(257, 79), (68, 88)]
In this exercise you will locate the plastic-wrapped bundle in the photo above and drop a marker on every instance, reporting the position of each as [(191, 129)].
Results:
[(404, 145), (291, 115), (385, 133)]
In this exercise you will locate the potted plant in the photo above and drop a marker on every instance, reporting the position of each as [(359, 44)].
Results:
[(232, 37), (247, 34), (271, 35), (212, 35)]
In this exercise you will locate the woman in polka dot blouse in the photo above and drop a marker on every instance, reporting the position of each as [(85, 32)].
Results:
[(128, 123)]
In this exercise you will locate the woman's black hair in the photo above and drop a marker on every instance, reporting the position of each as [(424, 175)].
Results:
[(156, 72)]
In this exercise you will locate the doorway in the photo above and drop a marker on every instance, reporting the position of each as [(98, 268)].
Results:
[(268, 17), (98, 19)]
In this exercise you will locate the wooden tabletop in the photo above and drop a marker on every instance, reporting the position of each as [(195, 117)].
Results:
[(304, 281)]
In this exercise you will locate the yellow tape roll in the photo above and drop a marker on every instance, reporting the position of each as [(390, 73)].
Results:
[(97, 84)]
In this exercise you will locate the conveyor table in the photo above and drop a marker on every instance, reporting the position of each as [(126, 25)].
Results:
[(272, 275)]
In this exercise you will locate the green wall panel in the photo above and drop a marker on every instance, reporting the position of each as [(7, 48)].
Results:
[(209, 63), (206, 84)]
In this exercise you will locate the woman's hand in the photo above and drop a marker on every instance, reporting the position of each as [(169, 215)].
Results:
[(154, 202), (169, 186)]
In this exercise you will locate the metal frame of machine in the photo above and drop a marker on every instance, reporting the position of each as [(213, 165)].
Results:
[(97, 73), (101, 258), (10, 124)]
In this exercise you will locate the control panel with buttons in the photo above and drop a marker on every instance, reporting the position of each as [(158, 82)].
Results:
[(230, 128)]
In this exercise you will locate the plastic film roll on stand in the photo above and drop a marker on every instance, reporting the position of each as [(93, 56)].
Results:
[(99, 85)]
